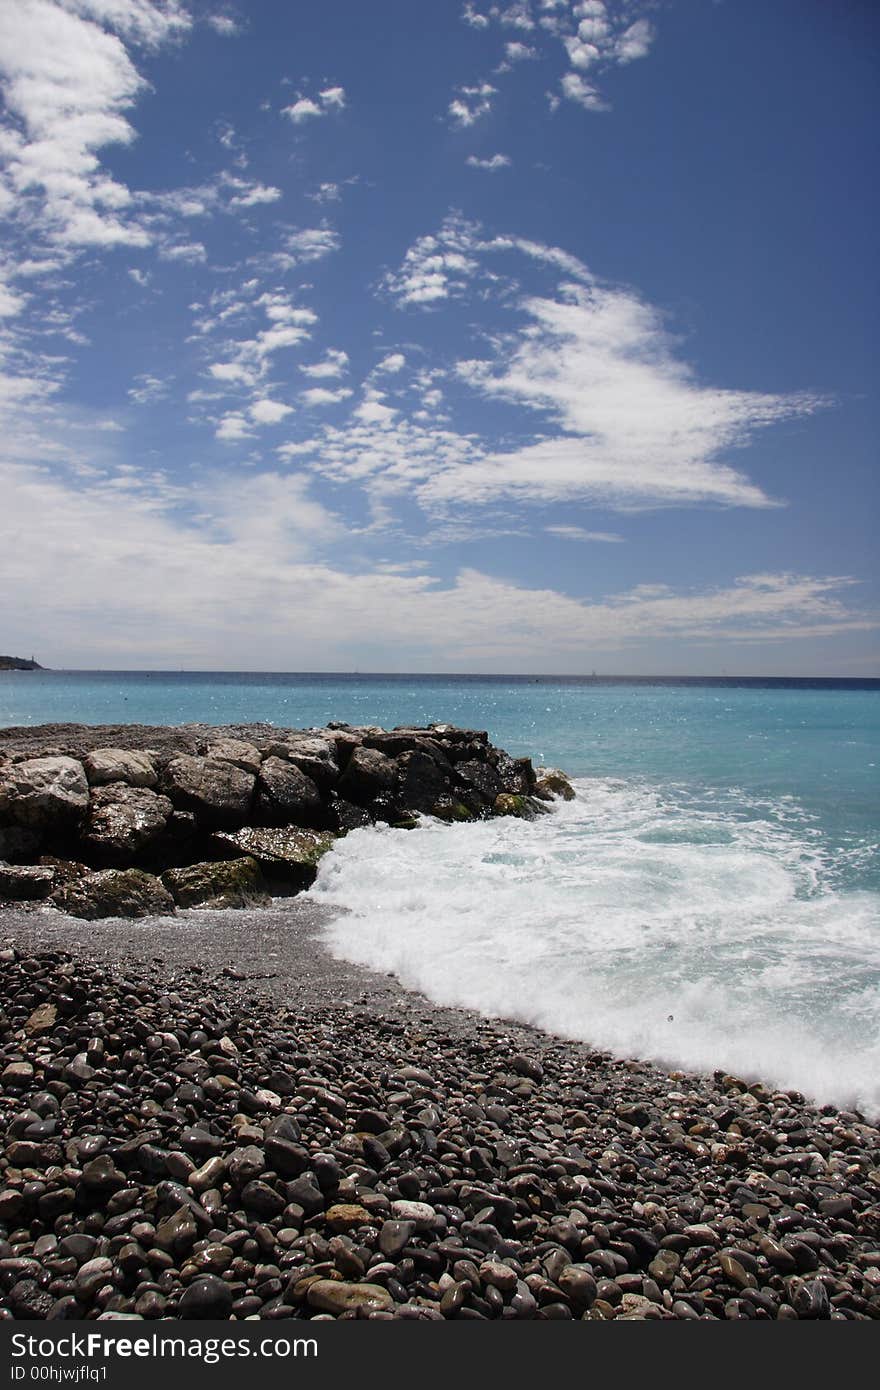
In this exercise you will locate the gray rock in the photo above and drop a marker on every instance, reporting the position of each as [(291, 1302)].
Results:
[(316, 757), (237, 752), (45, 793), (123, 820), (114, 893), (369, 774), (394, 1235), (21, 882), (217, 792), (128, 765), (287, 853), (285, 794)]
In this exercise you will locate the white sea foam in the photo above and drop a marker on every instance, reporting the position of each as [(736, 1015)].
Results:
[(697, 936)]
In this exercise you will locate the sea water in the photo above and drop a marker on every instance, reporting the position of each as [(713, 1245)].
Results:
[(710, 899)]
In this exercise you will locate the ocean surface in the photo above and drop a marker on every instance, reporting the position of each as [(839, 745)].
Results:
[(710, 900)]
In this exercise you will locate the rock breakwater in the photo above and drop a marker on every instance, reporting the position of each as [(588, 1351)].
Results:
[(178, 1150), (133, 821)]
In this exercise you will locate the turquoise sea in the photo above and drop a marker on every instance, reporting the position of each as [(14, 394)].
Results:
[(710, 900)]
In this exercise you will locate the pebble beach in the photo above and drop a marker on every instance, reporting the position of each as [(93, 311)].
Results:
[(179, 1143)]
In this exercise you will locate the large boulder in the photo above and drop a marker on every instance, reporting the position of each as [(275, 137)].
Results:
[(19, 842), (423, 780), (123, 821), (120, 765), (369, 774), (314, 756), (21, 882), (114, 893), (237, 752), (482, 777), (218, 792), (286, 853), (229, 883), (285, 794), (44, 793), (517, 774)]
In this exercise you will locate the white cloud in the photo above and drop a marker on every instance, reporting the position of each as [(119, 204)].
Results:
[(492, 164), (268, 412), (474, 18), (326, 193), (578, 533), (232, 428), (394, 362), (577, 89), (224, 24), (373, 412), (309, 244), (11, 303), (471, 104), (68, 83), (252, 560), (254, 194), (308, 109), (321, 395), (303, 110), (435, 267), (147, 388), (333, 98), (595, 37), (515, 52), (335, 363), (634, 42), (189, 252), (638, 428)]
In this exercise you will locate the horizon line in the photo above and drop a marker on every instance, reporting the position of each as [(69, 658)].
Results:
[(435, 675)]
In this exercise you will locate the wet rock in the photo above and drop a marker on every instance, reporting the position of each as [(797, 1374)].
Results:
[(286, 853), (369, 774), (551, 783), (114, 893), (123, 821), (331, 1296), (482, 777), (225, 883), (285, 794), (217, 792), (22, 882), (422, 780), (207, 1298)]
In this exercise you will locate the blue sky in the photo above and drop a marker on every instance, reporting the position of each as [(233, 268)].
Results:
[(446, 337)]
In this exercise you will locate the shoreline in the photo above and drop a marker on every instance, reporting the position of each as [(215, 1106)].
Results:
[(438, 1164)]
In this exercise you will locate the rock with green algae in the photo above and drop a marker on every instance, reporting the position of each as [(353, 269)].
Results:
[(114, 893), (227, 883), (552, 782), (287, 853), (523, 807)]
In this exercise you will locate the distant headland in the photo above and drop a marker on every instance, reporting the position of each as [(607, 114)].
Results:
[(19, 663)]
